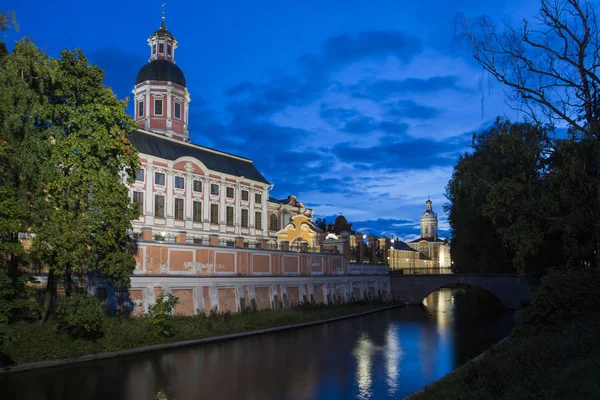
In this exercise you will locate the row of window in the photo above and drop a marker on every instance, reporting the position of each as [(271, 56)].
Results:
[(161, 48), (158, 108), (159, 211), (159, 179)]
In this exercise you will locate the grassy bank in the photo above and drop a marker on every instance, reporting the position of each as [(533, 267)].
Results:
[(555, 354), (38, 342), (550, 365)]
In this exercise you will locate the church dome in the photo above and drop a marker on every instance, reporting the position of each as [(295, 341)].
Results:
[(429, 214), (163, 33), (161, 70)]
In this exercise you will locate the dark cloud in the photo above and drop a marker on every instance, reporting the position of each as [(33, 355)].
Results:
[(337, 114), (353, 122), (404, 154), (382, 89), (410, 109), (343, 50), (250, 101)]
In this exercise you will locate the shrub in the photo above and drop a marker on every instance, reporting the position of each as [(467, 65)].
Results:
[(80, 316), (160, 314), (563, 296), (14, 298)]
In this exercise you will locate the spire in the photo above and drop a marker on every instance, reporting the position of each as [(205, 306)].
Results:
[(162, 24), (428, 202)]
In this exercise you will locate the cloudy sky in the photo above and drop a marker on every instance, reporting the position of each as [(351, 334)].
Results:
[(356, 107)]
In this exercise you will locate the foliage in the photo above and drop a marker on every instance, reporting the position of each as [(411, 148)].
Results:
[(523, 203), (37, 342), (63, 152), (80, 316), (160, 314), (14, 301), (563, 296), (550, 68)]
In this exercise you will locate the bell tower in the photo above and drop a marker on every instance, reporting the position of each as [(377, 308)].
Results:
[(429, 222), (160, 92)]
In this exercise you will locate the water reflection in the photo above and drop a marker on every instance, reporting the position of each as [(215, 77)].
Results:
[(386, 355), (393, 357), (364, 351)]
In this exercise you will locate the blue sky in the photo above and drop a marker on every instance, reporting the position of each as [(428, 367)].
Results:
[(358, 107)]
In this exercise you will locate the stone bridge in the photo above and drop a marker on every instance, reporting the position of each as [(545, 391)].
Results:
[(511, 290)]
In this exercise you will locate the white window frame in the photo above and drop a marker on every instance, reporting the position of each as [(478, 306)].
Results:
[(162, 105)]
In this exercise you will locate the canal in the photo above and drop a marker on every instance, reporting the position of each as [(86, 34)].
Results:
[(385, 355)]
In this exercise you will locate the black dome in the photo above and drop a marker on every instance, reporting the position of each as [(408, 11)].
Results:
[(161, 70), (162, 32)]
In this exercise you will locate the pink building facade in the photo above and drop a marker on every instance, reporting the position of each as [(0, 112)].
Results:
[(208, 228)]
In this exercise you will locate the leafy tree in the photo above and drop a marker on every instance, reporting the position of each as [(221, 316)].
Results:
[(321, 223), (80, 316), (552, 72), (65, 149), (517, 204), (160, 314)]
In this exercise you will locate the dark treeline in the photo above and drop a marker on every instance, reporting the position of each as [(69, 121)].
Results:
[(524, 201)]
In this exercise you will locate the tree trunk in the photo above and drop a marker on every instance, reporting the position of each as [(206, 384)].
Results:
[(49, 297), (597, 153), (68, 282)]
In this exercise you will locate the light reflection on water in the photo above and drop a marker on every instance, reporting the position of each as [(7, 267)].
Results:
[(385, 355)]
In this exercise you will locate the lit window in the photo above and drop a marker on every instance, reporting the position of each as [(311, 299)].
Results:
[(245, 195), (197, 211), (214, 189), (197, 186), (159, 178), (178, 110), (139, 175), (138, 199), (230, 193), (257, 198), (178, 208), (179, 182), (140, 108), (258, 220), (159, 206), (244, 218), (214, 213), (158, 107), (229, 216)]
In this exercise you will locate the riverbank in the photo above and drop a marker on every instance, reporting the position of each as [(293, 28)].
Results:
[(555, 354), (40, 343)]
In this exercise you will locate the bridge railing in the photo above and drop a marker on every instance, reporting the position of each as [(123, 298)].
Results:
[(420, 271)]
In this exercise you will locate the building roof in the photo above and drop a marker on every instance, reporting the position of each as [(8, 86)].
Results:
[(426, 239), (160, 146), (274, 200), (399, 245), (160, 70)]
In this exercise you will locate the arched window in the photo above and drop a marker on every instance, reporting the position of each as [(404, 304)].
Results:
[(273, 223)]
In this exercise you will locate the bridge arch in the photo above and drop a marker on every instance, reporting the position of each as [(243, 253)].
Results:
[(512, 291), (467, 286)]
